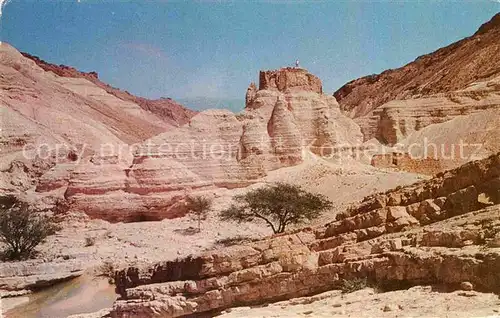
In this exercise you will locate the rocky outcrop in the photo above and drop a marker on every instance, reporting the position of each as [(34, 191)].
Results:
[(165, 108), (290, 79), (433, 232), (36, 274), (251, 91), (448, 69), (438, 146), (215, 149), (439, 111), (445, 146)]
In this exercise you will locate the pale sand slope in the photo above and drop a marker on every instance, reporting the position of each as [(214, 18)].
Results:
[(477, 133), (419, 301), (343, 180)]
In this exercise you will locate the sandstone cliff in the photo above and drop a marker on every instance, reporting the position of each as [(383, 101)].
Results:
[(290, 79), (448, 69), (437, 132), (441, 231)]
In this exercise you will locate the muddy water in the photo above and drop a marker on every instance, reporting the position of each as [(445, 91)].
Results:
[(81, 295)]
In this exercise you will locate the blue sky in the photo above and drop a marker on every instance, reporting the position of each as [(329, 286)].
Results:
[(213, 49)]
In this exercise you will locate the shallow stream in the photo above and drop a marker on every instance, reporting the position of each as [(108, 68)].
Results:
[(84, 294)]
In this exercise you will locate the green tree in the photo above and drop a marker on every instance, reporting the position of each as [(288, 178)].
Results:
[(199, 207), (278, 205), (21, 230)]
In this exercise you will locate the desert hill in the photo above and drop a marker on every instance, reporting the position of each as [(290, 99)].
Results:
[(435, 113), (448, 69), (165, 108), (216, 149), (48, 118), (108, 155)]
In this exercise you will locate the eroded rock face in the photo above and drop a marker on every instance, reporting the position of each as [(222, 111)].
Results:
[(251, 91), (51, 119), (403, 161), (432, 232), (438, 132), (439, 146), (216, 149), (446, 98)]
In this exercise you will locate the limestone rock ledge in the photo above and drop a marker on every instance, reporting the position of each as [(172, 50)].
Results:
[(437, 231)]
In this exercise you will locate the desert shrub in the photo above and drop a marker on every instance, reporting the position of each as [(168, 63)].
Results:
[(61, 206), (354, 284), (21, 230), (278, 205), (476, 95), (90, 241), (198, 206), (453, 98)]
